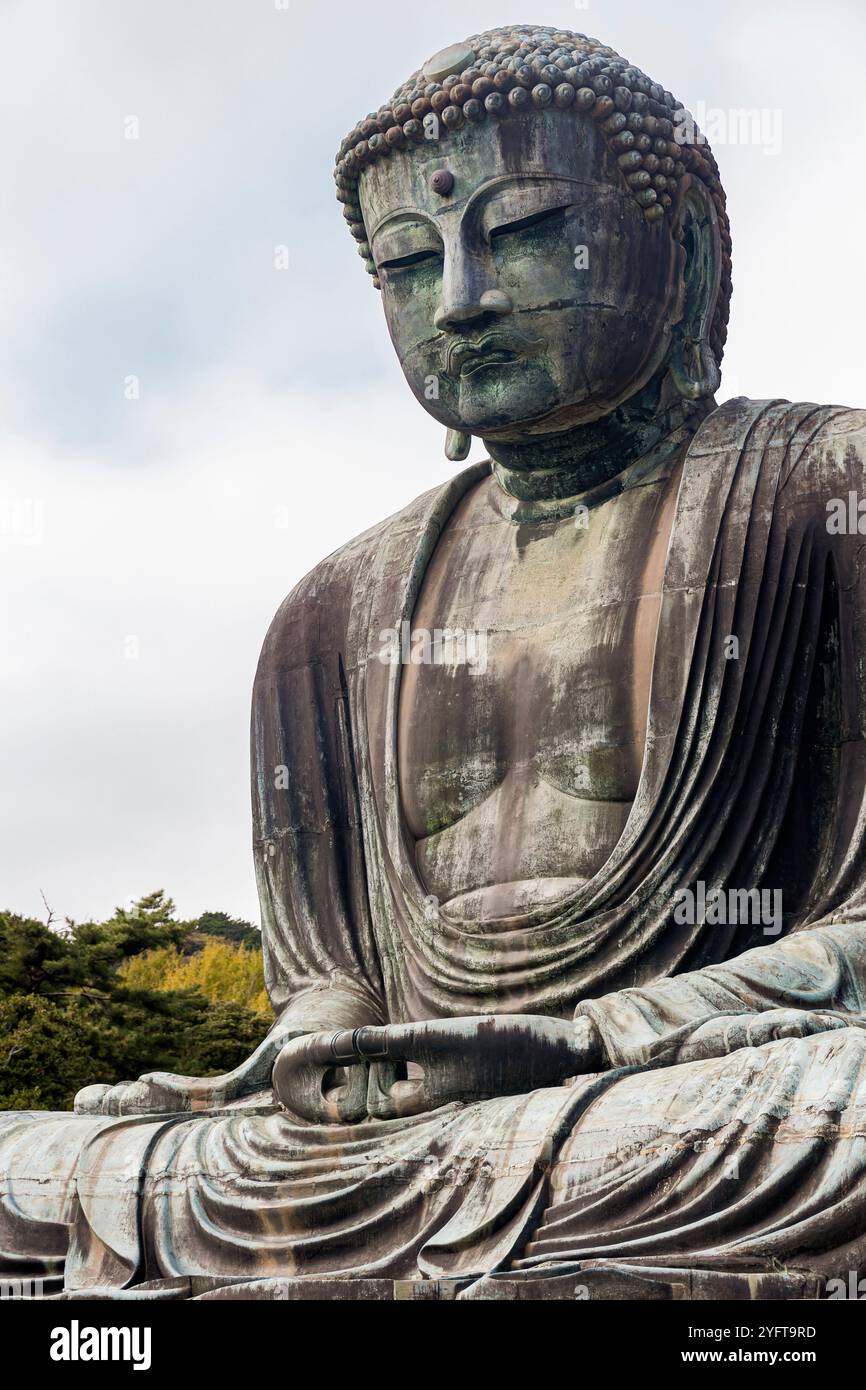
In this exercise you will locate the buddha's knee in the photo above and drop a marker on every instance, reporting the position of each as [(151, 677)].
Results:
[(39, 1156)]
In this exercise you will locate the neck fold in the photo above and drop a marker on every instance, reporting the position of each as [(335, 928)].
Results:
[(549, 473)]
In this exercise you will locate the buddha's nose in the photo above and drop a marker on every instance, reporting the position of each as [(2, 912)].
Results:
[(460, 310)]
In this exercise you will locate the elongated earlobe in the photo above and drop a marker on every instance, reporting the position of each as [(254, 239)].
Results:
[(695, 371), (457, 445)]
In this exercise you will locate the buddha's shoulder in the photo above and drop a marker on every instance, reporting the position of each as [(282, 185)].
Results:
[(824, 451), (331, 585), (819, 450), (826, 460)]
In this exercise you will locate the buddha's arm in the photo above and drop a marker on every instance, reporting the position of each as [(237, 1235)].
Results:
[(817, 977), (804, 983)]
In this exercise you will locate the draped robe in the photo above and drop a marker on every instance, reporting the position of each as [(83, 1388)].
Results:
[(754, 774)]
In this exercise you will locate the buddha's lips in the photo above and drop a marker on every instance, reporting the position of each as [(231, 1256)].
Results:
[(497, 346)]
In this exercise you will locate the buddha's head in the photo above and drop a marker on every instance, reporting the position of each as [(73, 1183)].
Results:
[(548, 234)]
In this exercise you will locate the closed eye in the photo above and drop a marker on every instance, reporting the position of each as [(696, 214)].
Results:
[(414, 258), (535, 219)]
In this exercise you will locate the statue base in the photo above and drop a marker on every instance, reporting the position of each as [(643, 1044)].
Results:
[(607, 1282)]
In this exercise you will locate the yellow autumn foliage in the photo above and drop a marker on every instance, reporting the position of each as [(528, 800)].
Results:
[(223, 972)]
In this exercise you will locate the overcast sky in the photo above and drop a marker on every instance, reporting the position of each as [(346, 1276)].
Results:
[(146, 543)]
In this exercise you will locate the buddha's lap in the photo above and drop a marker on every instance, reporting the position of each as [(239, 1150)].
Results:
[(792, 1092), (789, 1092)]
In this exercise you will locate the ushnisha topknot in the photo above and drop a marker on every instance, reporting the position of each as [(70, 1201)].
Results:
[(525, 68)]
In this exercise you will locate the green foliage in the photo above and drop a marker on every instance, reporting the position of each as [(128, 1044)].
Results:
[(229, 928), (106, 1001), (222, 972), (47, 1053)]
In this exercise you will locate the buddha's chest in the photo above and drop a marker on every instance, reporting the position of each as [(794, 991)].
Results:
[(530, 660)]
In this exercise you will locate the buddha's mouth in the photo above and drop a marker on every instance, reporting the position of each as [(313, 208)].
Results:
[(495, 348), (479, 360)]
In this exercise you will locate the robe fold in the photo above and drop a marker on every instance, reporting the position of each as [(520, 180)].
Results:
[(754, 777)]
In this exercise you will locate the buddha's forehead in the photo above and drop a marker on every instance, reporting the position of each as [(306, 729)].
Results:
[(551, 145)]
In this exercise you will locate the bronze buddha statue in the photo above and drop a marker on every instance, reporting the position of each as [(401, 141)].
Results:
[(501, 1057)]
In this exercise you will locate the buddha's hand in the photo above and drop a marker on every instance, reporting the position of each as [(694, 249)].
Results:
[(463, 1059), (162, 1092), (730, 1032), (155, 1093), (165, 1093)]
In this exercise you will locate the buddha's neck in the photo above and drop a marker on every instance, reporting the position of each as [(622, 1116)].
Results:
[(549, 472)]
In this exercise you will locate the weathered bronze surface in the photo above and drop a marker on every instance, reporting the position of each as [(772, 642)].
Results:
[(559, 782)]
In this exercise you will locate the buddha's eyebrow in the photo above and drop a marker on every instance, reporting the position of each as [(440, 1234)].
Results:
[(486, 191), (403, 215)]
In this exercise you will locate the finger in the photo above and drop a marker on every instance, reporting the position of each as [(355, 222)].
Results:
[(795, 1028), (112, 1099), (775, 1024), (402, 1040), (739, 1033), (400, 1099), (831, 1022), (89, 1100), (380, 1079), (350, 1099), (140, 1098)]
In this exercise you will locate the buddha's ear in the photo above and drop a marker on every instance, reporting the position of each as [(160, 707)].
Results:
[(694, 368)]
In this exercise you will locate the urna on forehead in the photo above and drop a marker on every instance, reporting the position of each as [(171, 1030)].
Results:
[(524, 70)]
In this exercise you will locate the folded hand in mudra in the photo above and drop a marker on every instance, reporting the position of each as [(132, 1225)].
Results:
[(408, 1068)]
